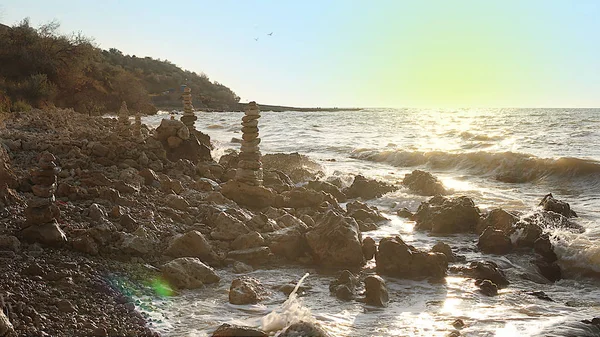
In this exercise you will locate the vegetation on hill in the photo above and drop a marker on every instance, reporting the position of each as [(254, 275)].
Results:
[(40, 67)]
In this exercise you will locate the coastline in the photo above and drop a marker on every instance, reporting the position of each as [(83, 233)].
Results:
[(123, 202)]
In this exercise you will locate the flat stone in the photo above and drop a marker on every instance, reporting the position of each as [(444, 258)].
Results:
[(248, 129), (49, 234), (249, 136), (253, 123), (253, 142), (249, 165), (250, 156), (43, 191), (249, 148), (249, 118)]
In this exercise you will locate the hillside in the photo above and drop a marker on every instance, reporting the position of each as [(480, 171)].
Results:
[(42, 68)]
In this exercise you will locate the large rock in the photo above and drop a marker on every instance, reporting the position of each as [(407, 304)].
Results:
[(444, 248), (544, 248), (300, 197), (548, 203), (188, 273), (344, 287), (497, 219), (487, 270), (228, 228), (323, 186), (247, 195), (228, 330), (396, 258), (250, 240), (304, 329), (376, 293), (335, 241), (177, 202), (362, 212), (191, 244), (423, 183), (494, 241), (367, 188), (140, 242), (245, 290), (447, 215), (49, 234), (369, 248), (288, 242)]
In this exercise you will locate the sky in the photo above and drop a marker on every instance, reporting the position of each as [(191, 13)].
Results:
[(354, 53)]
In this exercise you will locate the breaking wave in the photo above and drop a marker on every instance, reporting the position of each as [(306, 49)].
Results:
[(503, 166)]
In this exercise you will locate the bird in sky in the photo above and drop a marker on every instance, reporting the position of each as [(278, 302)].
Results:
[(255, 39), (270, 34)]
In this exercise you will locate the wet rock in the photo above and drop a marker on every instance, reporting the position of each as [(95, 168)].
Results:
[(188, 273), (250, 240), (444, 248), (335, 241), (369, 248), (361, 212), (447, 215), (49, 234), (497, 219), (396, 258), (323, 186), (541, 295), (526, 233), (548, 203), (550, 270), (405, 213), (247, 195), (487, 270), (494, 241), (458, 323), (245, 290), (191, 244), (344, 287), (487, 287), (423, 183), (376, 293), (368, 188), (304, 329), (253, 256), (228, 330), (543, 247)]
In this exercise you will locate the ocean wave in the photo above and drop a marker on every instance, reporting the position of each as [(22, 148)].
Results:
[(508, 167)]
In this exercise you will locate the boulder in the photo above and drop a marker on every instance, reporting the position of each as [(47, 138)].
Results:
[(444, 248), (304, 329), (335, 241), (140, 242), (150, 177), (240, 267), (494, 241), (245, 290), (323, 186), (396, 258), (188, 273), (369, 248), (247, 195), (549, 270), (487, 287), (497, 219), (367, 188), (191, 244), (362, 212), (423, 183), (288, 242), (228, 228), (228, 330), (548, 203), (344, 287), (49, 234), (85, 244), (9, 242), (443, 215), (487, 270), (253, 256), (543, 247), (250, 240), (526, 233), (376, 293), (177, 202), (300, 197), (97, 212)]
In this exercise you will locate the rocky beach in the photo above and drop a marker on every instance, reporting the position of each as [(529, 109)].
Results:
[(105, 218)]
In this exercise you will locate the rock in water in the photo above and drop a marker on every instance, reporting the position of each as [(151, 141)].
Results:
[(423, 183), (191, 244), (228, 330), (396, 258), (448, 215), (548, 203), (367, 188), (336, 242), (245, 290), (487, 287), (344, 287), (376, 293), (493, 241), (188, 273), (304, 329)]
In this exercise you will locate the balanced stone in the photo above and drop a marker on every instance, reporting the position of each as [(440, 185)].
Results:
[(42, 210), (253, 123), (188, 117), (249, 169), (247, 156), (249, 136), (249, 129), (249, 148), (251, 165), (247, 118), (123, 117), (253, 142), (137, 129)]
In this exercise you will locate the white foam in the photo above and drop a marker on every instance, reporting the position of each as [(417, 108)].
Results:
[(292, 311), (576, 251)]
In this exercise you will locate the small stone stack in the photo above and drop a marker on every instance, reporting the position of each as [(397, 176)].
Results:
[(249, 166), (41, 214), (188, 117), (124, 120)]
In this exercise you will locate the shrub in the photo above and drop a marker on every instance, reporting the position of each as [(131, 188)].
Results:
[(21, 106)]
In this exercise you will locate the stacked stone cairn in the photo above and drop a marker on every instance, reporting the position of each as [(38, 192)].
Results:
[(41, 214), (249, 166), (124, 124), (137, 127), (188, 117)]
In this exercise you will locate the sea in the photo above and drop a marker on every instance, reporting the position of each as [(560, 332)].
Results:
[(507, 158)]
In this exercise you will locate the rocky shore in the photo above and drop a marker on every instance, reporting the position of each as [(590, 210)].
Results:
[(96, 211)]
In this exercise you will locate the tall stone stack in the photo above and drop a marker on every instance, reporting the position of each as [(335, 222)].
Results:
[(124, 124), (249, 166), (41, 214), (188, 117), (137, 126)]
